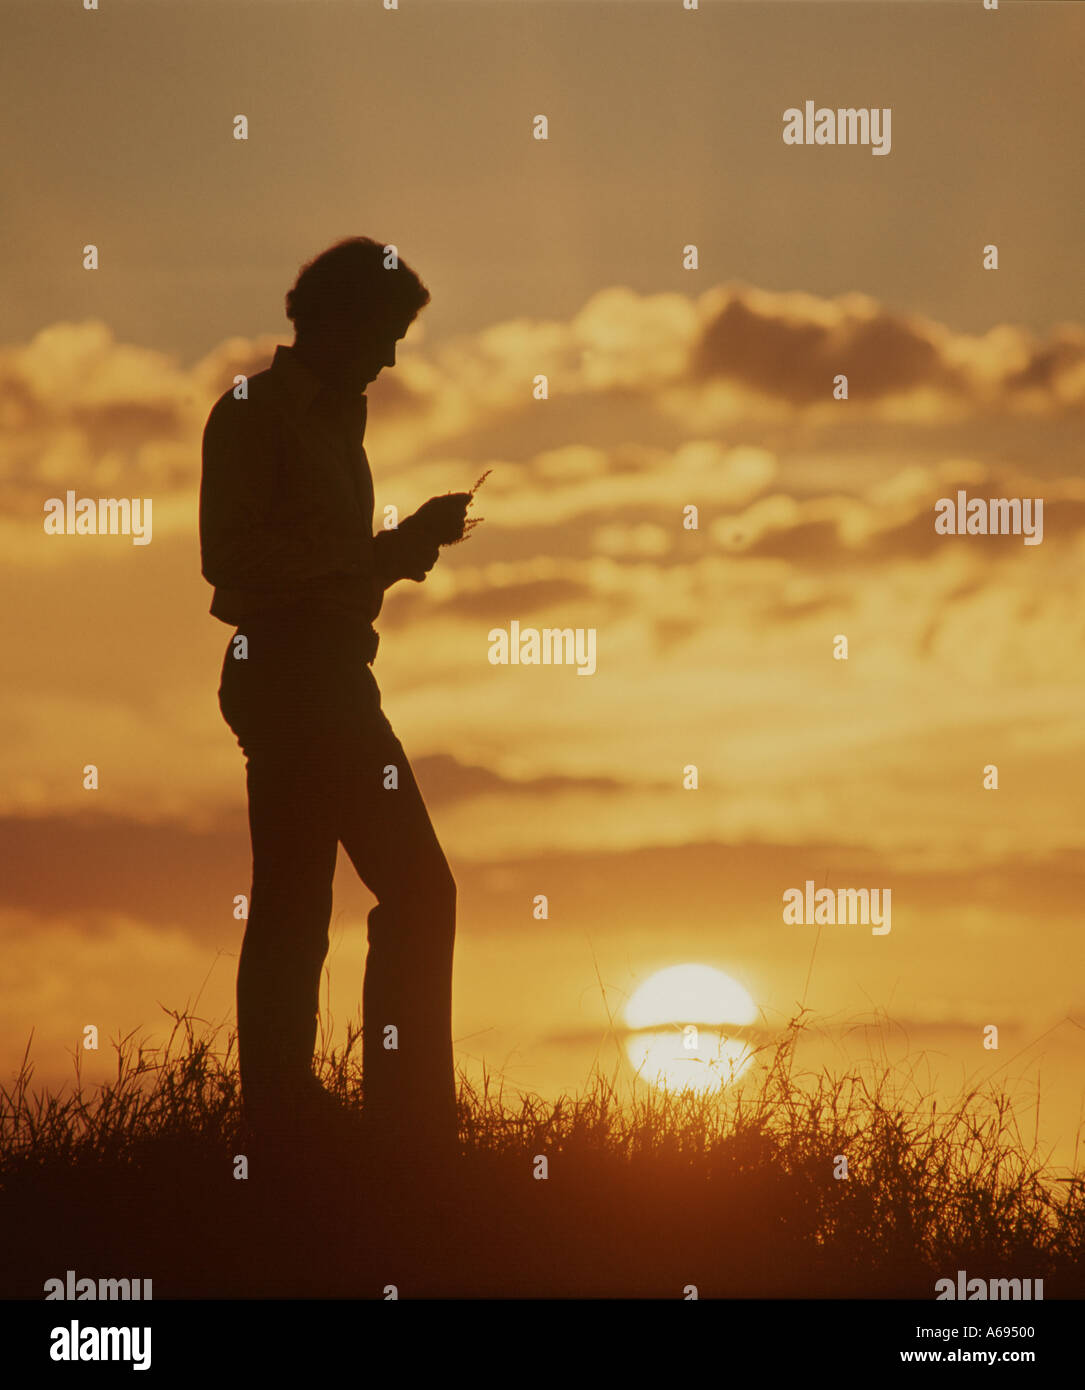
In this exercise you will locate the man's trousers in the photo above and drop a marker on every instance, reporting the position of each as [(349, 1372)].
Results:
[(325, 768)]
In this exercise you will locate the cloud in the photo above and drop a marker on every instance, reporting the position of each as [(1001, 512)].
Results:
[(790, 347), (81, 409), (714, 645), (894, 518)]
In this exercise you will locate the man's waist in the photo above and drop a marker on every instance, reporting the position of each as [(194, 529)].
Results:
[(350, 597), (285, 621), (313, 637)]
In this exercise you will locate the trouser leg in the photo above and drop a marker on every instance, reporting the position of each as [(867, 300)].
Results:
[(286, 938), (408, 1071)]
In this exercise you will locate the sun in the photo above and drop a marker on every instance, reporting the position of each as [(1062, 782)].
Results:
[(687, 1027)]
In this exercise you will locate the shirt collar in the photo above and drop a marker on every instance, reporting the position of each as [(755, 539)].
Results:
[(300, 386)]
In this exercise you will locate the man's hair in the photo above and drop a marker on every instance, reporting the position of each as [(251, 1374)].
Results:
[(349, 281)]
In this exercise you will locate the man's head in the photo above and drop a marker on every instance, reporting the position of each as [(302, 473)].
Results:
[(349, 310)]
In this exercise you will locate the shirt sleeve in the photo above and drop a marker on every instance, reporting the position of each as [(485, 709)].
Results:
[(396, 552), (388, 557)]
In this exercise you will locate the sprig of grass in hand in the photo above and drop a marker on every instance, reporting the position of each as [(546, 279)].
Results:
[(472, 521), (443, 518)]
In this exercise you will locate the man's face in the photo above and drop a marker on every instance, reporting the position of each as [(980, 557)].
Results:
[(367, 351)]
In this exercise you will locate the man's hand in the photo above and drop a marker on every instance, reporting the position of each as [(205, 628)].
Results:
[(412, 549), (442, 519)]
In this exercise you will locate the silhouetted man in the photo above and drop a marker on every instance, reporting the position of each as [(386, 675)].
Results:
[(286, 532)]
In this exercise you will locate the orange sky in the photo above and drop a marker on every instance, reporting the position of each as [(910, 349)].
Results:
[(667, 387)]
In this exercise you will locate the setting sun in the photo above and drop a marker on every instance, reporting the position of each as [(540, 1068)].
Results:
[(682, 1023)]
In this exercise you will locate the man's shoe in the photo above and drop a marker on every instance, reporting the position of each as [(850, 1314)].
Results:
[(326, 1116), (301, 1114)]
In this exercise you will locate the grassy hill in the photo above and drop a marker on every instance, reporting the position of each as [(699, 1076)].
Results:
[(735, 1195)]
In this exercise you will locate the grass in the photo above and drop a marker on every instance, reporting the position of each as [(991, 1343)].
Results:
[(645, 1195)]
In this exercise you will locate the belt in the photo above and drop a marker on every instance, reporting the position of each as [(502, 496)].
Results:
[(283, 627)]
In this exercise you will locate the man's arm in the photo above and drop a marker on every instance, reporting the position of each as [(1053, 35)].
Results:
[(411, 550), (244, 542), (403, 553)]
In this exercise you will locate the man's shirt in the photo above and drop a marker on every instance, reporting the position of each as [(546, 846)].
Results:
[(286, 500)]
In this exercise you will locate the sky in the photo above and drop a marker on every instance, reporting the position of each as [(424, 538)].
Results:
[(668, 387)]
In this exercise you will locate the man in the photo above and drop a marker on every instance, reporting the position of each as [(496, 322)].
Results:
[(286, 535)]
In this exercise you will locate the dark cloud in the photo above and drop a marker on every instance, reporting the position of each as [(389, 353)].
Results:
[(791, 353), (785, 357), (20, 407), (169, 872), (880, 1031), (88, 865), (444, 779), (493, 606), (126, 424), (1048, 363)]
